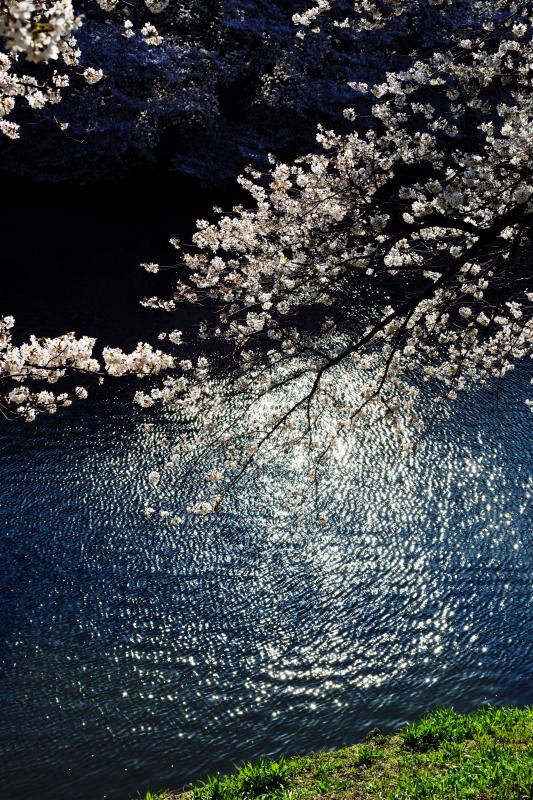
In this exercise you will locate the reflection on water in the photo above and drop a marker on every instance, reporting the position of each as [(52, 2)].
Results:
[(140, 654)]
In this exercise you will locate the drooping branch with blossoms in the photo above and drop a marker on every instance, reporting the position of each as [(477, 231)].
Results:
[(389, 267), (46, 361), (393, 266)]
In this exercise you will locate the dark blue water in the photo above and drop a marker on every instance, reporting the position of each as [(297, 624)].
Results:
[(136, 654)]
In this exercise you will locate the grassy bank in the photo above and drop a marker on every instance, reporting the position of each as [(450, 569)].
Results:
[(487, 755)]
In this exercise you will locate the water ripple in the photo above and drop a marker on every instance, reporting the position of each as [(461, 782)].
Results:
[(135, 654)]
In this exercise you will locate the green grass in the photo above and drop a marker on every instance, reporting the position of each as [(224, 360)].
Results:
[(250, 780), (487, 755)]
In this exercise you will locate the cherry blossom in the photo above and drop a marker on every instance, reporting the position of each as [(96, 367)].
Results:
[(56, 360), (389, 270), (382, 274)]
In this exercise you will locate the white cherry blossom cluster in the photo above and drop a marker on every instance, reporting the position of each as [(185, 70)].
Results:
[(62, 360), (151, 35), (40, 360), (36, 28), (92, 75), (42, 31), (35, 31), (365, 14), (143, 361)]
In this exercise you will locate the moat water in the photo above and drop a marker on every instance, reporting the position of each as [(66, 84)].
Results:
[(136, 655)]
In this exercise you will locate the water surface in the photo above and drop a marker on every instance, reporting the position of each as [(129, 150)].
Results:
[(137, 654)]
